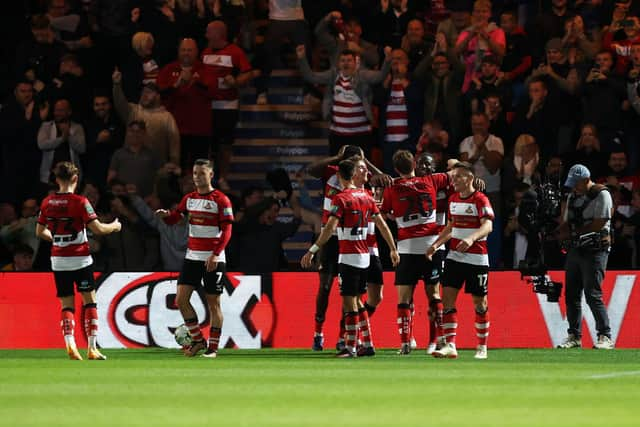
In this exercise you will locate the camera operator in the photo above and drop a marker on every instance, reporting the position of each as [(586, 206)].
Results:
[(587, 222)]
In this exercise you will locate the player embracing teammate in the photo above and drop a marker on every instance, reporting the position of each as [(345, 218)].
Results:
[(349, 214), (470, 217), (210, 218)]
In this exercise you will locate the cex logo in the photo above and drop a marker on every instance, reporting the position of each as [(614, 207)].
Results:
[(138, 310), (557, 322)]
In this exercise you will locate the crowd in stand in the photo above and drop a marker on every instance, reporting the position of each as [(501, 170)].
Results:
[(132, 91)]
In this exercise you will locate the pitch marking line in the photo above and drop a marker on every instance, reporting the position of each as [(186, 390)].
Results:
[(613, 375)]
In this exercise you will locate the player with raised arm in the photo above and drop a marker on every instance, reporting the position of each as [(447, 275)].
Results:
[(62, 220), (412, 202), (326, 169), (470, 222), (210, 218), (350, 212)]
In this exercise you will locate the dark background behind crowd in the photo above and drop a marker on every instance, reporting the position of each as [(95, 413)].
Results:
[(523, 89)]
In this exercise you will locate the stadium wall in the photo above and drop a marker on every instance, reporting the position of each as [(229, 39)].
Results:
[(138, 310)]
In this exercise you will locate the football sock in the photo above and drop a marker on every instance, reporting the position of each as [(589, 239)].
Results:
[(450, 324), (90, 316), (365, 327), (404, 323), (351, 326), (482, 326), (435, 320), (319, 323), (67, 323), (370, 309), (194, 329), (411, 322), (214, 338), (342, 328)]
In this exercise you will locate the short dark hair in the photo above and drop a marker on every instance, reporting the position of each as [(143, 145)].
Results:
[(346, 169), (64, 171), (348, 52), (204, 162), (403, 161), (350, 151), (465, 166), (537, 79), (40, 22), (70, 57), (22, 249)]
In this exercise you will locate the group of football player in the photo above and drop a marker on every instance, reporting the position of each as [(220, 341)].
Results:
[(430, 209), (443, 221)]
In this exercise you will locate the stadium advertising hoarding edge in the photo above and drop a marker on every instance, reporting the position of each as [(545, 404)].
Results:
[(138, 310)]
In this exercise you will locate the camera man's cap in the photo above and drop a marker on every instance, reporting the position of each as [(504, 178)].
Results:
[(576, 173)]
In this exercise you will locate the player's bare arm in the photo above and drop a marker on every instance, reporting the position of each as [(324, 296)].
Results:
[(326, 233), (486, 225), (101, 228), (44, 233), (443, 237)]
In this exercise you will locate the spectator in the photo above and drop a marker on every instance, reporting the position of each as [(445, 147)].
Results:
[(392, 21), (188, 87), (105, 134), (348, 101), (136, 247), (141, 68), (22, 231), (249, 196), (22, 259), (71, 28), (415, 43), (158, 19), (498, 126), (401, 114), (580, 47), (516, 63), (135, 163), (260, 224), (286, 19), (231, 69), (538, 116), (173, 238), (604, 98), (488, 81), (60, 140), (548, 25), (481, 39), (618, 177), (522, 164), (164, 137), (348, 36), (442, 76), (37, 59), (630, 27), (71, 84), (451, 27), (432, 136), (20, 120), (516, 243), (587, 151)]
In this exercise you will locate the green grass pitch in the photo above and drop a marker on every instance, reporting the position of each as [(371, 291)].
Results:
[(298, 388)]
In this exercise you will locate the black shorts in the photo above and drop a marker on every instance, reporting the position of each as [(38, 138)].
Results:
[(194, 273), (224, 124), (329, 257), (474, 277), (82, 278), (414, 267), (374, 272), (352, 280)]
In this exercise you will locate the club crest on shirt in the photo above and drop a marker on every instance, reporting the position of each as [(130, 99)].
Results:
[(469, 210)]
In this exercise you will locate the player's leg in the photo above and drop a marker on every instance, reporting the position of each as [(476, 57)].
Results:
[(476, 284), (405, 281), (85, 284), (214, 283), (374, 285), (431, 279), (328, 270), (349, 290), (190, 279), (452, 280), (364, 326), (65, 294)]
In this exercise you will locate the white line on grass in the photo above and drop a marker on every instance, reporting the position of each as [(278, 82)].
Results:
[(613, 375)]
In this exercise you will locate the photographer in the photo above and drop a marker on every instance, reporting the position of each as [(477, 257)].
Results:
[(587, 221)]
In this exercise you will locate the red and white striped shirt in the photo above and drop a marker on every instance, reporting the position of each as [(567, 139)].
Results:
[(66, 215), (207, 214), (230, 60), (412, 201), (331, 188), (397, 117), (348, 115), (465, 215), (354, 208)]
